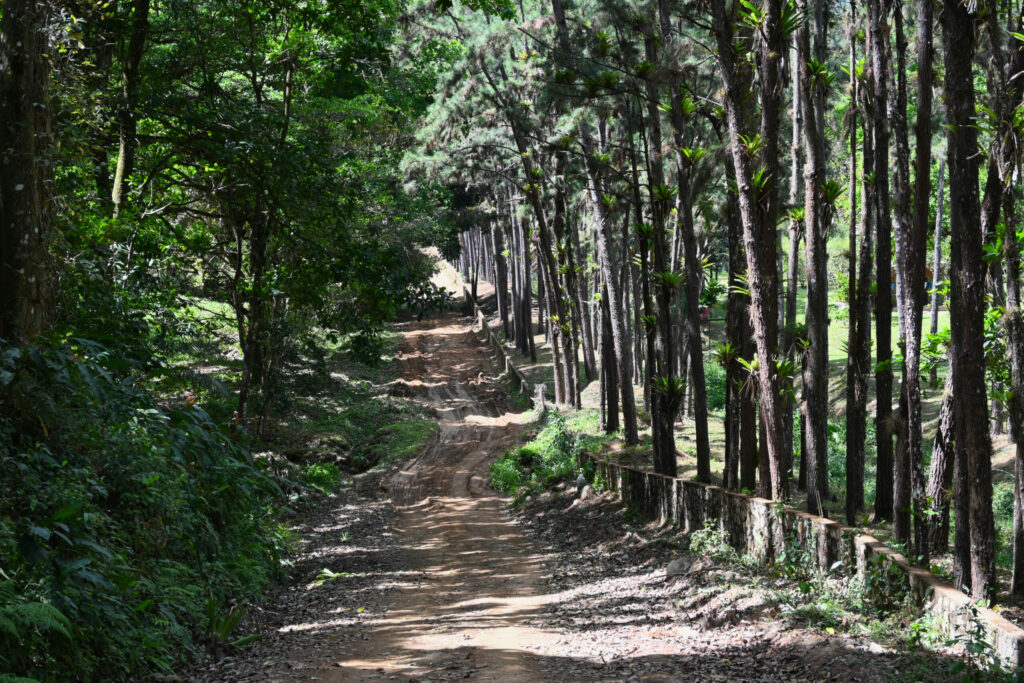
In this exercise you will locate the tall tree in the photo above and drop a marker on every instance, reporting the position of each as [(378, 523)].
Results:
[(816, 374), (853, 455), (26, 127), (757, 204), (883, 265), (975, 564), (680, 109), (914, 268)]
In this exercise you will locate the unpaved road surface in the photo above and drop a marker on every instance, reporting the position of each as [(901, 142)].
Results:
[(436, 580), (475, 583)]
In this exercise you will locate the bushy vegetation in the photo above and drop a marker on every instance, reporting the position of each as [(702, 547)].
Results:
[(714, 378), (125, 522), (550, 457)]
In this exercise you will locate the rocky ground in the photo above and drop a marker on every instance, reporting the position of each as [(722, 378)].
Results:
[(619, 616), (424, 574)]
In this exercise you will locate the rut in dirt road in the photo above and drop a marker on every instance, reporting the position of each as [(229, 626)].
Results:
[(475, 581)]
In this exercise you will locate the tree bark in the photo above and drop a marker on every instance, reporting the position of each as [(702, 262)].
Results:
[(1015, 347), (883, 259), (609, 366), (127, 122), (603, 234), (853, 455), (914, 268), (974, 481), (669, 388), (940, 479), (860, 315), (757, 212), (693, 269), (937, 264), (26, 214), (815, 401), (500, 276)]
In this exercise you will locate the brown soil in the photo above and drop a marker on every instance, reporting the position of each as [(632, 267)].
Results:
[(443, 583), (474, 581)]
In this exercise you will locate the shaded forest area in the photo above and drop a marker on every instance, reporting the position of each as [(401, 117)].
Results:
[(743, 214), (203, 230), (817, 198)]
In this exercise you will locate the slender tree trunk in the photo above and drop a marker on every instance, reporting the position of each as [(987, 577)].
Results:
[(940, 479), (609, 366), (500, 276), (1015, 346), (693, 269), (854, 457), (757, 211), (604, 242), (793, 253), (883, 259), (127, 122), (860, 315), (914, 265), (902, 224), (578, 291), (741, 450), (937, 264), (816, 379), (967, 288), (668, 388)]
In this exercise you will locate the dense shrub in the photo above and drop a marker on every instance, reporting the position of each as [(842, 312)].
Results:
[(124, 523), (714, 380), (551, 456)]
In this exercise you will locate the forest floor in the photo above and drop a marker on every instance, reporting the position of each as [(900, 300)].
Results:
[(427, 575)]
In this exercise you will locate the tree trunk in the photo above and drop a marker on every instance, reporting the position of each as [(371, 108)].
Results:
[(604, 242), (883, 259), (26, 218), (913, 264), (937, 265), (757, 212), (815, 400), (127, 122), (609, 366), (860, 316), (1015, 347), (500, 276), (940, 479), (967, 288), (693, 270), (668, 389), (854, 457)]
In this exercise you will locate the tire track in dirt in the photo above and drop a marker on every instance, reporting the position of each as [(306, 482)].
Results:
[(477, 583)]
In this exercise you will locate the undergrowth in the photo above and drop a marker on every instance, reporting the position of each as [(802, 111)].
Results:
[(122, 519), (551, 456), (135, 522), (877, 604)]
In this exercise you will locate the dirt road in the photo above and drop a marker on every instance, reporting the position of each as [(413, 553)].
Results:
[(473, 581), (440, 582)]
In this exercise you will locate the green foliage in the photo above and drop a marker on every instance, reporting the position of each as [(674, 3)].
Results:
[(323, 476), (885, 584), (981, 661), (550, 457), (714, 378), (120, 518), (712, 542), (398, 441), (711, 293), (28, 628)]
